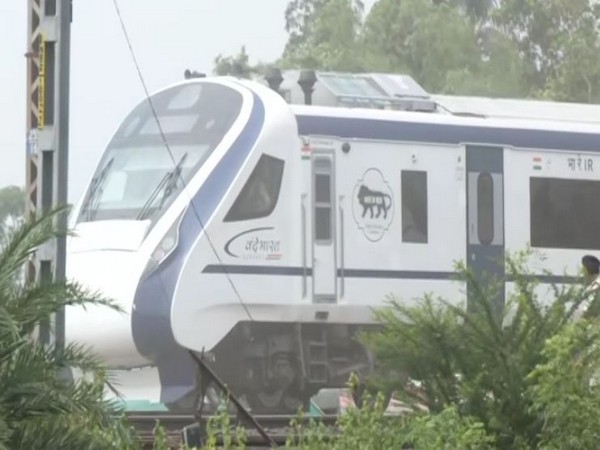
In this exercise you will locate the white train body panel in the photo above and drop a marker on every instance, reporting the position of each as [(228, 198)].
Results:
[(308, 215), (107, 249)]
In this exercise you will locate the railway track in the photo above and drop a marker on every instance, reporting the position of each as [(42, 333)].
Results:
[(184, 428), (144, 423)]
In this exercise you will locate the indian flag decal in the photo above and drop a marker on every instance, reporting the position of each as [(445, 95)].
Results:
[(305, 151), (537, 163)]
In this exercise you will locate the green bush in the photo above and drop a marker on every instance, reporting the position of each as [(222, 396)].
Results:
[(523, 375), (489, 361)]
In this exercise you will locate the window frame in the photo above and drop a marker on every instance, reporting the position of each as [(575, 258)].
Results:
[(412, 175), (232, 215), (485, 206), (538, 227), (323, 166)]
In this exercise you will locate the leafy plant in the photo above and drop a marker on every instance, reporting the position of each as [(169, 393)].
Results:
[(476, 359), (564, 389), (39, 408)]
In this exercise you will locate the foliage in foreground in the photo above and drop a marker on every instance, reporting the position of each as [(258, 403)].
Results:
[(527, 378), (525, 374), (38, 410), (366, 428)]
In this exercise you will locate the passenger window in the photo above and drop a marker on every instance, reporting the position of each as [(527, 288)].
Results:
[(564, 213), (323, 206), (414, 206), (259, 195), (485, 208)]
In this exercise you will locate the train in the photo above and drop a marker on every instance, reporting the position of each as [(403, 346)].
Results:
[(229, 223)]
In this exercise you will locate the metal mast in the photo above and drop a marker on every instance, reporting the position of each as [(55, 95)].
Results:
[(48, 67)]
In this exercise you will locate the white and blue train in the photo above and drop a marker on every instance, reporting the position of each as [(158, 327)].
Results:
[(264, 233)]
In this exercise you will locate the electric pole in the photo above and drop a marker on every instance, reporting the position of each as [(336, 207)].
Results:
[(48, 67)]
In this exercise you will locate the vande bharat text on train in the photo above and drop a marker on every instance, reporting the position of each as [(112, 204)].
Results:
[(266, 232)]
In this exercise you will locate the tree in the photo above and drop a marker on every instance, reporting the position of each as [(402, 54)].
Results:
[(12, 203), (509, 48), (431, 43), (324, 34), (577, 74), (237, 65), (477, 10), (39, 409), (552, 36), (498, 73), (12, 209)]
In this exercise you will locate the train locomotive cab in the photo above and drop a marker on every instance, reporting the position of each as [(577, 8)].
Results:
[(149, 212)]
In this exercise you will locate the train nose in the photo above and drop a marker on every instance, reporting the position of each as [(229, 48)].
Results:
[(114, 275)]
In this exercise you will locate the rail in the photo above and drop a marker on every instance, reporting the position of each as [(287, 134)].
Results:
[(277, 427), (260, 431), (185, 429), (144, 423)]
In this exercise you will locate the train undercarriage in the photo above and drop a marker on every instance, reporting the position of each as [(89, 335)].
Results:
[(276, 368)]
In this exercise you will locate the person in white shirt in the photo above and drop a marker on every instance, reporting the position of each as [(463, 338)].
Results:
[(591, 304)]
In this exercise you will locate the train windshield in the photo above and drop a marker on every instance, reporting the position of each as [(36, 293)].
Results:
[(143, 170)]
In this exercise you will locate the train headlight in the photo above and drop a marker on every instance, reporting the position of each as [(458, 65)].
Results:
[(164, 248)]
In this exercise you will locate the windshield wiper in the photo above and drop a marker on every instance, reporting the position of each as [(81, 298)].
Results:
[(166, 185), (91, 202)]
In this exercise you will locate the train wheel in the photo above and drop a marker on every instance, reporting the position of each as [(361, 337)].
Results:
[(274, 403), (188, 403), (276, 396)]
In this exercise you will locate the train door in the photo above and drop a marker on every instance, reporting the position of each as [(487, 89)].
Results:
[(485, 215), (324, 266)]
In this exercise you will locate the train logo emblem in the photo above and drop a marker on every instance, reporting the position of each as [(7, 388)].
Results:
[(373, 205), (256, 244)]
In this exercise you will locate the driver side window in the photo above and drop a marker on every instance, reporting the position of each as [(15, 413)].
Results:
[(259, 195)]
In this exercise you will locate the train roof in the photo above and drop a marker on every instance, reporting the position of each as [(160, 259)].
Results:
[(529, 123), (404, 126), (399, 92), (504, 108), (530, 130)]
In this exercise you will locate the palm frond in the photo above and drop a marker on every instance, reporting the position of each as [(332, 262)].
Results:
[(5, 432), (23, 242), (36, 302), (38, 408), (72, 431), (9, 328)]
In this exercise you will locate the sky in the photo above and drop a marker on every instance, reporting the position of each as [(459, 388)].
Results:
[(167, 37)]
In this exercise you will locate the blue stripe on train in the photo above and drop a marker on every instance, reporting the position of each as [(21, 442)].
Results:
[(365, 273), (359, 128)]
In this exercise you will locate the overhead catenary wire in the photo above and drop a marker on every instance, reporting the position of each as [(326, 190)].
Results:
[(167, 147)]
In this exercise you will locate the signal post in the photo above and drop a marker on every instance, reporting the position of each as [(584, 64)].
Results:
[(47, 149)]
